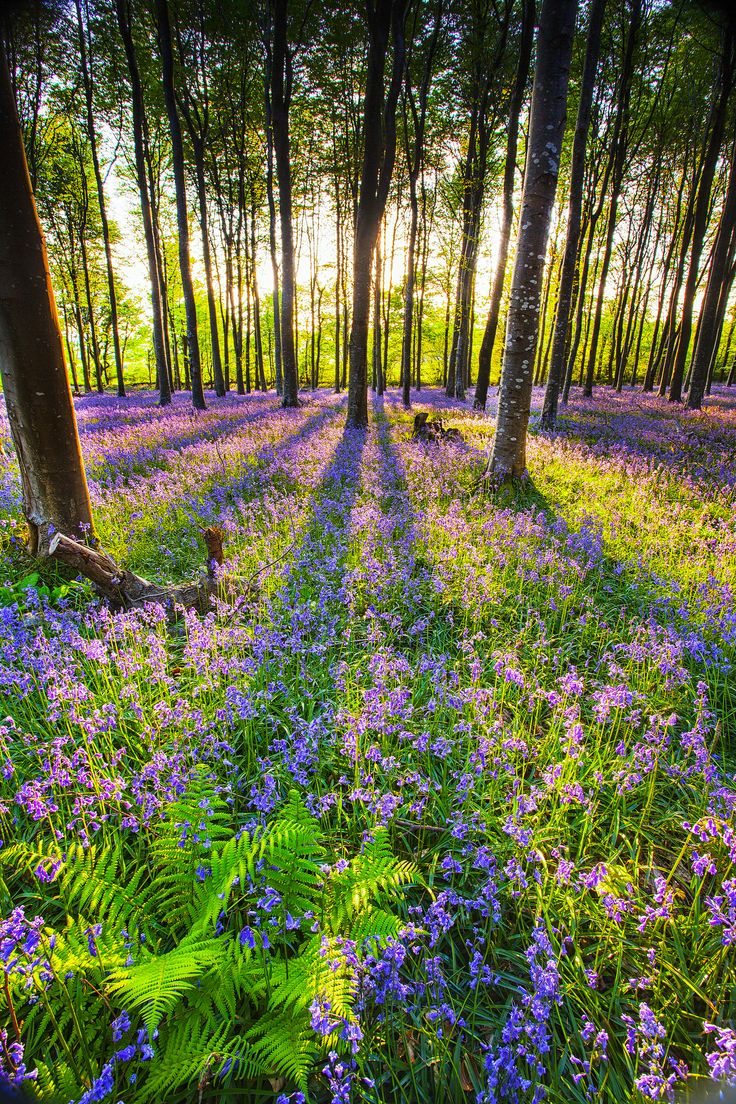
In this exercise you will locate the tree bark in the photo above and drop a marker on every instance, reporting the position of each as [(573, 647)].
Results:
[(512, 142), (122, 11), (709, 328), (85, 63), (415, 159), (182, 218), (546, 129), (385, 19), (281, 86), (702, 210), (574, 215), (34, 378), (620, 143)]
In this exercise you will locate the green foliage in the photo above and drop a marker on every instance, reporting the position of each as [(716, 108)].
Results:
[(171, 943)]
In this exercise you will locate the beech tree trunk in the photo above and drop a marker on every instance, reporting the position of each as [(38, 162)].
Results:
[(182, 218), (281, 84), (85, 64), (574, 215), (35, 382), (512, 142), (385, 20), (710, 322), (159, 348), (702, 210), (546, 129)]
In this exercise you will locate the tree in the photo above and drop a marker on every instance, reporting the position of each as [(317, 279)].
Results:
[(37, 394), (415, 104), (716, 294), (702, 208), (385, 20), (517, 98), (546, 129), (281, 82), (122, 11), (85, 58), (163, 24), (574, 213)]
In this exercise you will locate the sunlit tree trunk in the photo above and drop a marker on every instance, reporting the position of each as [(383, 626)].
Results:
[(182, 219), (574, 215), (34, 378), (546, 129), (385, 20)]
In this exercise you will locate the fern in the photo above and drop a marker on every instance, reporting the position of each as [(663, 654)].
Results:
[(371, 874), (285, 1045), (95, 883), (224, 1014), (156, 986)]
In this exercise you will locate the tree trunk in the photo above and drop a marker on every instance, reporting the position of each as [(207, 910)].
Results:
[(702, 210), (123, 17), (85, 64), (281, 83), (182, 219), (574, 215), (620, 143), (217, 372), (716, 291), (385, 19), (34, 378), (546, 129)]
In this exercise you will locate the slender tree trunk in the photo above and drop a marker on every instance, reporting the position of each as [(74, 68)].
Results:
[(260, 374), (512, 142), (702, 210), (122, 10), (385, 19), (281, 82), (377, 281), (718, 283), (91, 317), (546, 129), (217, 372), (574, 216), (620, 144), (92, 136), (182, 219)]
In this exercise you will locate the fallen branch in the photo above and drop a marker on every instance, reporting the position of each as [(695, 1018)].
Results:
[(126, 589)]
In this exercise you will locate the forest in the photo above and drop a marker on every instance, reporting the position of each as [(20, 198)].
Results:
[(368, 551)]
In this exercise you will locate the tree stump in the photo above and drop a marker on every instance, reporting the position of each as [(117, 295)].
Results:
[(434, 429)]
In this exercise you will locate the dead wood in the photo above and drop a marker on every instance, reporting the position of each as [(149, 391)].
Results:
[(126, 590), (434, 429)]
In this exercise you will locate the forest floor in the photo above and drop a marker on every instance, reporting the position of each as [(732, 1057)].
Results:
[(440, 808)]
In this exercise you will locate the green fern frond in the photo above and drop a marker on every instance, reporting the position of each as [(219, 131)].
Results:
[(285, 1045), (156, 986), (186, 1051), (375, 871), (374, 925), (319, 970), (95, 882)]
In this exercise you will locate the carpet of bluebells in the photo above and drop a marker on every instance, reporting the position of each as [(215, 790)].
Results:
[(531, 691)]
